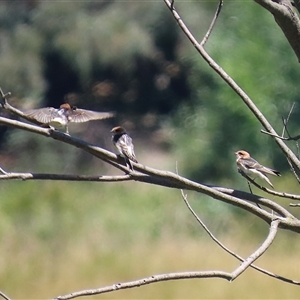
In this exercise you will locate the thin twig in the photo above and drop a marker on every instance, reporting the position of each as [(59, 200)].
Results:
[(260, 251), (4, 296), (172, 4), (293, 170), (184, 197), (284, 127), (281, 211), (145, 281), (289, 154), (3, 171), (64, 177), (269, 191), (250, 189), (285, 121), (295, 138), (4, 96), (212, 23), (14, 110), (133, 176), (249, 186)]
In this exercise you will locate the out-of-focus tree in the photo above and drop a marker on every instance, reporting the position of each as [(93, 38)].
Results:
[(102, 56)]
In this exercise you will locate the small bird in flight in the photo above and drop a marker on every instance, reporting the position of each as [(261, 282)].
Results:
[(62, 116), (123, 143), (251, 167)]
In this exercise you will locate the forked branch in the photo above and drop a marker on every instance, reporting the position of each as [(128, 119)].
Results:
[(230, 251), (213, 22), (183, 275)]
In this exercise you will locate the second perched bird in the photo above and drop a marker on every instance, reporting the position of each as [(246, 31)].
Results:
[(251, 167), (65, 114), (123, 143)]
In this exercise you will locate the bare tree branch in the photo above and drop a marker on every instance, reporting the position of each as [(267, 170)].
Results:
[(293, 170), (64, 177), (172, 4), (250, 189), (289, 138), (256, 199), (269, 191), (203, 42), (4, 296), (55, 134), (151, 179), (228, 250), (295, 138), (96, 178), (287, 20), (260, 251), (168, 179), (183, 275), (285, 121), (14, 110), (145, 281)]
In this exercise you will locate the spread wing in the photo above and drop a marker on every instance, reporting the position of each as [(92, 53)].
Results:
[(82, 115), (43, 115), (125, 144)]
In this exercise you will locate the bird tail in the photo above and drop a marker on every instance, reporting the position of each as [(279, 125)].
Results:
[(276, 173), (268, 181), (271, 171)]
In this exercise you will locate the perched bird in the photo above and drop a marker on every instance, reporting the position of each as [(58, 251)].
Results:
[(251, 167), (123, 143), (62, 116)]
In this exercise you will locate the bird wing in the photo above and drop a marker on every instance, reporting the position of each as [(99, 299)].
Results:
[(126, 147), (44, 115), (82, 115), (251, 163)]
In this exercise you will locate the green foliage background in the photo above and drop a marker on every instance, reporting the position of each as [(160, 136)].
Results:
[(132, 58)]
